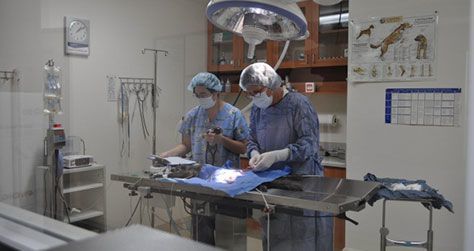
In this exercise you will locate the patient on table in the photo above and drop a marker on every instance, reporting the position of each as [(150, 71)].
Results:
[(227, 176)]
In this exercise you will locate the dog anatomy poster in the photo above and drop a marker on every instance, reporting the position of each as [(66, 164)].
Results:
[(393, 49)]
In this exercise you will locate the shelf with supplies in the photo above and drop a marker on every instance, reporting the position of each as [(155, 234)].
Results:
[(83, 178), (83, 191), (331, 62), (82, 188), (76, 217), (83, 169), (333, 87)]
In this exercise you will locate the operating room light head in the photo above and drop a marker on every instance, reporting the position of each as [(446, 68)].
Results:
[(259, 20)]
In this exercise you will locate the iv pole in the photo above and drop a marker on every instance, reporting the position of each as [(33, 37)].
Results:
[(155, 107), (154, 90)]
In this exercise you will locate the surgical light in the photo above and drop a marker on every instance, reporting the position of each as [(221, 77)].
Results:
[(258, 20)]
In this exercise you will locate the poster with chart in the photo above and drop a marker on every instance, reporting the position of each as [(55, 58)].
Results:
[(393, 49), (423, 106)]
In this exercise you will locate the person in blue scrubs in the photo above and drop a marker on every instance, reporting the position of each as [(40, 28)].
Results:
[(208, 146), (284, 131)]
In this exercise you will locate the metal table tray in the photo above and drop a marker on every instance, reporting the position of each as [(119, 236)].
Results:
[(323, 194)]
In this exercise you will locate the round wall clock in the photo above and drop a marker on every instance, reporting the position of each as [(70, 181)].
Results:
[(77, 36)]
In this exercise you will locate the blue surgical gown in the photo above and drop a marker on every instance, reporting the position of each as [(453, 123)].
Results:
[(292, 123), (195, 124), (233, 125)]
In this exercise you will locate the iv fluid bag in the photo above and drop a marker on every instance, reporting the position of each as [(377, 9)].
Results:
[(52, 90)]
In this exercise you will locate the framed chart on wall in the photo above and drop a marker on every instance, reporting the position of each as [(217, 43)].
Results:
[(393, 49), (423, 106)]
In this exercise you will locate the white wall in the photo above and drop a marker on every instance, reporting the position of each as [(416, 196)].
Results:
[(331, 104), (469, 227), (24, 46), (435, 154), (119, 31)]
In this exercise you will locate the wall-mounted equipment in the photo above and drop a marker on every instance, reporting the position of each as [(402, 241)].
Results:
[(75, 161), (140, 88), (6, 76)]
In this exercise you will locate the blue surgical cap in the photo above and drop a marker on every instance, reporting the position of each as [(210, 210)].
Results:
[(206, 79), (260, 74)]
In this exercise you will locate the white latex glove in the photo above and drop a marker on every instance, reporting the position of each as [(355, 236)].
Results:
[(266, 160), (254, 157)]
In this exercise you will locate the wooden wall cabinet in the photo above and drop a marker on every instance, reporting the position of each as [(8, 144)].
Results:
[(299, 53), (332, 34), (222, 50)]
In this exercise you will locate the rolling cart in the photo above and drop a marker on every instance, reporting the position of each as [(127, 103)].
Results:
[(386, 242)]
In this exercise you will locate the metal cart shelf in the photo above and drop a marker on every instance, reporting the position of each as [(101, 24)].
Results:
[(386, 242)]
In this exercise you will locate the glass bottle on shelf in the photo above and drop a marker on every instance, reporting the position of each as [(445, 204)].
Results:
[(333, 30), (228, 86), (222, 47)]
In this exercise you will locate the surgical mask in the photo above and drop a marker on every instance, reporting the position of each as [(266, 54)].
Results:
[(262, 101), (206, 103)]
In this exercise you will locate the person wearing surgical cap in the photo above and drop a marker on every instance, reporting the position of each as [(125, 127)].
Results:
[(213, 132), (284, 131)]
